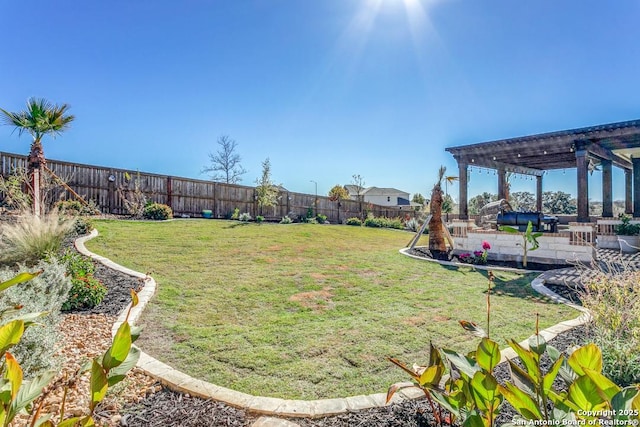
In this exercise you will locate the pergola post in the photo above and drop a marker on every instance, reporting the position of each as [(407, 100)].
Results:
[(463, 207), (502, 183), (628, 185), (636, 185), (607, 189), (539, 193), (583, 184)]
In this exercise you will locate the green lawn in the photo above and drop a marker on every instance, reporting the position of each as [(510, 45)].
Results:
[(306, 311)]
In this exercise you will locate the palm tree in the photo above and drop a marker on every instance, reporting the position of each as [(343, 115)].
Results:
[(40, 118), (448, 180), (437, 244)]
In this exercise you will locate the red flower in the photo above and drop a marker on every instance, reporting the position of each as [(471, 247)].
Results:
[(485, 245)]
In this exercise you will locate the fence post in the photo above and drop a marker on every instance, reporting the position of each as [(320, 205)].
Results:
[(216, 214), (170, 192), (111, 191)]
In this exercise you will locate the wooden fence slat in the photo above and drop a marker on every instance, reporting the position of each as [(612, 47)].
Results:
[(185, 195)]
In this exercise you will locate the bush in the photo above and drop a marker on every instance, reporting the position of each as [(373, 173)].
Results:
[(235, 214), (286, 220), (33, 238), (354, 221), (86, 291), (46, 292), (614, 302), (157, 211), (383, 222), (81, 226), (321, 219), (75, 207), (412, 225), (259, 219), (245, 217)]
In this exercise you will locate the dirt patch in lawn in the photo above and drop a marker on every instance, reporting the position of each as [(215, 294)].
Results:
[(315, 300)]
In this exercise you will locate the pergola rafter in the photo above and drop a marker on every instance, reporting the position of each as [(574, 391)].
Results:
[(613, 144)]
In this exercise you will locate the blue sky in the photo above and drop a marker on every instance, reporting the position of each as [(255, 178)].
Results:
[(325, 89)]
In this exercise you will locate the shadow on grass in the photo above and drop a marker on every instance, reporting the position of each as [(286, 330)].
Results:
[(238, 224), (504, 285)]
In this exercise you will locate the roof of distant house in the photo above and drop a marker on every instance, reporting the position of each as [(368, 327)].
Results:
[(373, 191)]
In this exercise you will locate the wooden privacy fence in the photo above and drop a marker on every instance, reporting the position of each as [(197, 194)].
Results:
[(189, 197)]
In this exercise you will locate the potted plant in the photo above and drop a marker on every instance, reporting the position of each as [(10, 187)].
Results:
[(628, 234)]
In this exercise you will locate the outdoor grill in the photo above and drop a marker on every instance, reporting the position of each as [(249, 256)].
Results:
[(500, 213)]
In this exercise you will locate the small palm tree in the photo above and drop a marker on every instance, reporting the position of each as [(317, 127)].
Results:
[(437, 244), (40, 118)]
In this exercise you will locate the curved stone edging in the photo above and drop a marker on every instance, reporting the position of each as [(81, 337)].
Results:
[(181, 382)]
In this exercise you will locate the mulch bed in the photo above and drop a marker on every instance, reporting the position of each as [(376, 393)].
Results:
[(168, 408)]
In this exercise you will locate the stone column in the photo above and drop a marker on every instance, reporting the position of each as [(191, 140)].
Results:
[(502, 183), (583, 185), (462, 188), (628, 186), (607, 189), (636, 185), (539, 193)]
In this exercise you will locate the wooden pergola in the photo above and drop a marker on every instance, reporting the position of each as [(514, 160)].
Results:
[(585, 148)]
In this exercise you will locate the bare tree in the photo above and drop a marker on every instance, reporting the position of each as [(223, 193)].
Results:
[(225, 163), (358, 182)]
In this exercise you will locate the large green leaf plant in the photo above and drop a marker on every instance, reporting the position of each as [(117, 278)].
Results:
[(472, 395)]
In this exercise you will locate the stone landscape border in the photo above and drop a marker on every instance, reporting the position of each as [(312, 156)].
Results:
[(181, 382)]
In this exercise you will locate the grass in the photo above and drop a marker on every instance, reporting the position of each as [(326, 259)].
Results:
[(307, 311)]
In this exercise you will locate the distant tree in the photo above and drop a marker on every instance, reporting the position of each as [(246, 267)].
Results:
[(418, 198), (477, 202), (266, 190), (559, 202), (358, 182), (337, 194), (447, 205), (225, 164), (523, 201)]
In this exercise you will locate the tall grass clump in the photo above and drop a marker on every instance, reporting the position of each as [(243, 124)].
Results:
[(614, 303), (32, 238), (45, 293)]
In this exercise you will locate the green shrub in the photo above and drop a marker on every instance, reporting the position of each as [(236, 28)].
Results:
[(354, 221), (412, 225), (321, 219), (47, 292), (259, 219), (235, 214), (157, 211), (375, 222), (614, 303), (33, 238), (286, 220), (86, 291), (77, 208), (383, 222), (81, 226)]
